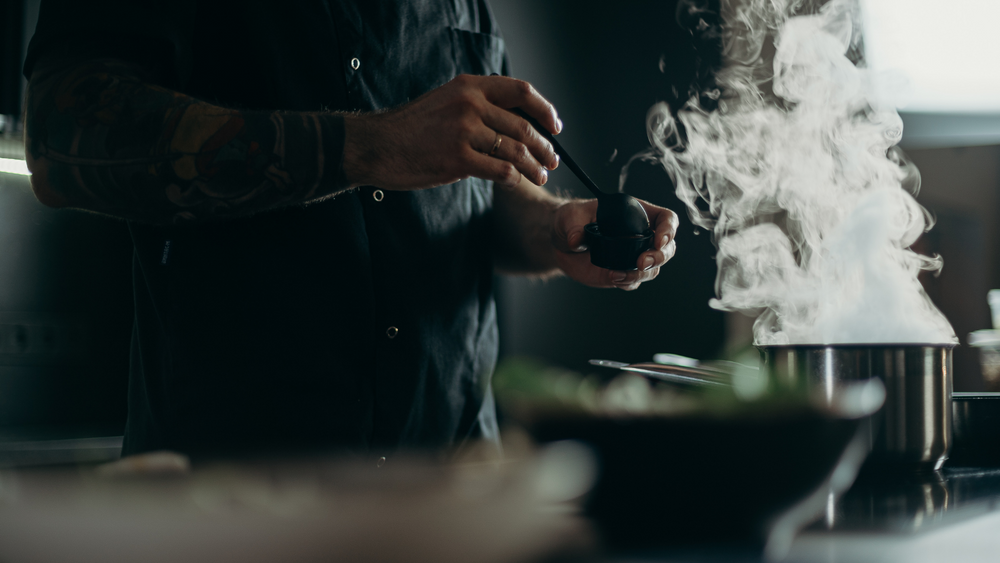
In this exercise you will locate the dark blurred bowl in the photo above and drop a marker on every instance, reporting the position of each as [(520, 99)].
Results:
[(975, 430), (708, 479)]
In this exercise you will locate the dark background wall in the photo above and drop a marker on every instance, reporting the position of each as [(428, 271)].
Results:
[(11, 38), (65, 289), (599, 63), (960, 188), (65, 318)]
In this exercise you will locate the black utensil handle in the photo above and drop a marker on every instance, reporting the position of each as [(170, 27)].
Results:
[(566, 158)]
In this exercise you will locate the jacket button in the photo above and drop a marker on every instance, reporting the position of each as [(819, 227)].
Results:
[(378, 195), (355, 63), (391, 332)]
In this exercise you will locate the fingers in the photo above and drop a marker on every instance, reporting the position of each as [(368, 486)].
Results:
[(665, 224), (518, 154), (632, 279), (649, 267), (520, 130), (658, 256), (521, 145), (664, 221), (513, 93), (500, 171), (439, 138), (578, 267), (568, 238)]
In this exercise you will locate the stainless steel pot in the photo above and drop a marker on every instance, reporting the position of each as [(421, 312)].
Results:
[(914, 427)]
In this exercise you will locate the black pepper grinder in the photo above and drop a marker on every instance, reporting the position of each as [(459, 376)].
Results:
[(622, 230)]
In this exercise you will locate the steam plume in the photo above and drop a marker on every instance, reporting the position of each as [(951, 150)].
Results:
[(796, 173)]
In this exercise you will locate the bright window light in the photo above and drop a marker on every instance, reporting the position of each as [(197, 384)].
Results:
[(14, 166), (947, 51)]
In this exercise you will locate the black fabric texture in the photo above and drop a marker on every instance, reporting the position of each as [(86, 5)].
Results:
[(269, 334)]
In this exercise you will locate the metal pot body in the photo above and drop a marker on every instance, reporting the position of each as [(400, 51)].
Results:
[(914, 426)]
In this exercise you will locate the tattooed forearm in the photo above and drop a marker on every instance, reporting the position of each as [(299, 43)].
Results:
[(101, 138)]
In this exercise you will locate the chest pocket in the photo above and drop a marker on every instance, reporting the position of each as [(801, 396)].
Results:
[(477, 53)]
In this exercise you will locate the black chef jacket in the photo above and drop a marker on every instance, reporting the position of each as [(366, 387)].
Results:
[(365, 322)]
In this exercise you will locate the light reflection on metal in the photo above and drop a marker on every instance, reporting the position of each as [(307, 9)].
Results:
[(828, 374), (916, 419), (929, 399), (831, 510), (910, 501)]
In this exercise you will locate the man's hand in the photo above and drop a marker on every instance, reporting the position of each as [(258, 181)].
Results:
[(540, 234), (573, 259), (447, 134)]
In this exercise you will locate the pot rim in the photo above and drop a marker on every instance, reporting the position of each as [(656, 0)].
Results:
[(845, 345), (974, 395)]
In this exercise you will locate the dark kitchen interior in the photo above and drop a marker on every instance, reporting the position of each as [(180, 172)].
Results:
[(601, 69), (66, 295), (92, 287), (65, 276)]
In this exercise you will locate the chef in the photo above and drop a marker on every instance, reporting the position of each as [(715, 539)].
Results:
[(318, 194)]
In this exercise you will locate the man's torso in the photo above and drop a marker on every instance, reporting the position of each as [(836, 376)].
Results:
[(363, 322)]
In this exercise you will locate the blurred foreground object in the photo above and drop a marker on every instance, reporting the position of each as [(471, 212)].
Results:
[(687, 469), (410, 510), (152, 463)]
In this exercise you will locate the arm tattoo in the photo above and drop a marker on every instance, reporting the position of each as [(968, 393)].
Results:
[(115, 144)]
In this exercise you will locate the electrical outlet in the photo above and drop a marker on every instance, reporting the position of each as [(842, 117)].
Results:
[(38, 338)]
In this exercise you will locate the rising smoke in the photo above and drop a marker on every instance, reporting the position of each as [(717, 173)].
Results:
[(796, 173)]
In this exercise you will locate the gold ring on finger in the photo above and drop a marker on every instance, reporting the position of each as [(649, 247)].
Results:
[(496, 145)]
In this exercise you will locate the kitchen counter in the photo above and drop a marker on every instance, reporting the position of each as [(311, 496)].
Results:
[(408, 508), (951, 515), (19, 451)]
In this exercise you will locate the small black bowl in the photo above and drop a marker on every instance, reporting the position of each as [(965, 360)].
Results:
[(616, 253)]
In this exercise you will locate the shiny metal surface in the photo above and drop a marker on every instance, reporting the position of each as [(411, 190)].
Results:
[(914, 502), (684, 375), (914, 426)]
